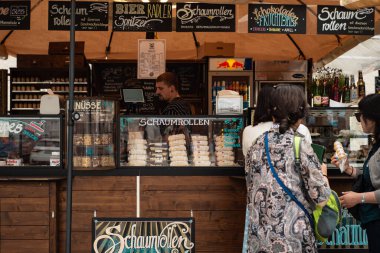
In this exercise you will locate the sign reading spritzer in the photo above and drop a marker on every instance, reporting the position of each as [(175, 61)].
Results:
[(271, 18), (150, 235)]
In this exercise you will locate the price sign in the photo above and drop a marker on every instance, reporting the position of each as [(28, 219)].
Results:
[(4, 129)]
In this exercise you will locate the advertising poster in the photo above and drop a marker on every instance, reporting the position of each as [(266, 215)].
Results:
[(151, 61)]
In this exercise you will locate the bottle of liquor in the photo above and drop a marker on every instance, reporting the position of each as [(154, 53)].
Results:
[(353, 89), (335, 89), (346, 90), (317, 99), (361, 85), (325, 95)]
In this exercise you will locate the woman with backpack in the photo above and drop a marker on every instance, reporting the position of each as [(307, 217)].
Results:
[(369, 197), (277, 223)]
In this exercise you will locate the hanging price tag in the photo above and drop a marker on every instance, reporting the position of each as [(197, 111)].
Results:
[(4, 129)]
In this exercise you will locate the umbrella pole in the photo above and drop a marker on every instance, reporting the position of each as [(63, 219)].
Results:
[(70, 126)]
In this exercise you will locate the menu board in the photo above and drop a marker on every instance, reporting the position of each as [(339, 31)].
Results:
[(89, 16), (203, 17), (151, 58), (144, 17), (190, 76), (14, 15), (110, 78), (272, 18), (340, 20)]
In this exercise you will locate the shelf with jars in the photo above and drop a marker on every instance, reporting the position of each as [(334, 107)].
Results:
[(27, 86), (327, 125)]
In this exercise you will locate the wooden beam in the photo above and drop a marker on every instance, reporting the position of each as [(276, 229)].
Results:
[(358, 4)]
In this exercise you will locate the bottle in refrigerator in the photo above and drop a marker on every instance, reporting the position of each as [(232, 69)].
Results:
[(335, 89), (346, 90), (325, 95)]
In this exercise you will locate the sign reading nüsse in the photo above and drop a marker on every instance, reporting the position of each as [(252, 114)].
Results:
[(144, 17), (143, 235), (14, 15), (89, 16), (271, 18), (202, 17), (339, 20)]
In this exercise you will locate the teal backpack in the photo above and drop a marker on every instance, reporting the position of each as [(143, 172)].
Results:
[(325, 218)]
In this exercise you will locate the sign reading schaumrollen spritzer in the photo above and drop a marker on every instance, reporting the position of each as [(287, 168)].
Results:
[(150, 235)]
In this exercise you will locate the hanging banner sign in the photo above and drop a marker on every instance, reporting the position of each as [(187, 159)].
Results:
[(14, 15), (339, 20), (272, 18), (89, 16), (202, 17), (144, 17), (143, 235)]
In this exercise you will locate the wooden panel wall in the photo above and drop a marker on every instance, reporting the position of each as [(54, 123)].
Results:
[(26, 223), (218, 205)]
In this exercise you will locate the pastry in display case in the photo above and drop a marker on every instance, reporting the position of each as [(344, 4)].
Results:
[(31, 141), (93, 134), (181, 141), (339, 126)]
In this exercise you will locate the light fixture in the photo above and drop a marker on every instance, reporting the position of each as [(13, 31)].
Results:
[(145, 1), (163, 1), (3, 52)]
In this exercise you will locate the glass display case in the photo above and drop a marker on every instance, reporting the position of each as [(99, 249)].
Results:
[(179, 141), (339, 124), (94, 133), (31, 141)]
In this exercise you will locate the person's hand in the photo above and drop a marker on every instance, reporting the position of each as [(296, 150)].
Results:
[(324, 169), (347, 168), (335, 161), (350, 199)]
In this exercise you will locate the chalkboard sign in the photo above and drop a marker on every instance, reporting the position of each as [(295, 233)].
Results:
[(272, 18), (110, 78), (144, 17), (14, 15), (89, 16), (202, 17), (340, 20), (189, 75)]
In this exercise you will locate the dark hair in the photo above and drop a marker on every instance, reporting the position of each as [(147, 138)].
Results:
[(369, 107), (168, 78), (288, 105), (262, 111)]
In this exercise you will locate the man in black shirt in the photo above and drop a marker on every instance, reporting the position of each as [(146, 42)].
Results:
[(167, 90)]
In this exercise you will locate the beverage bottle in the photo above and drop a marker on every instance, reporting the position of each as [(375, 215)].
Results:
[(335, 89), (353, 89), (223, 87), (245, 92), (317, 99), (346, 90), (361, 85), (237, 87), (325, 96)]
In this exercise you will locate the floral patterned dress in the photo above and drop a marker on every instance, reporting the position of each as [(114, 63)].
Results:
[(276, 223)]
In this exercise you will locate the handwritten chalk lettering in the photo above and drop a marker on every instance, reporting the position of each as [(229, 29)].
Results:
[(19, 11), (334, 26), (99, 7), (137, 9), (189, 15), (159, 11), (4, 11), (61, 21), (87, 105), (63, 10), (15, 128), (136, 22), (275, 16), (343, 15)]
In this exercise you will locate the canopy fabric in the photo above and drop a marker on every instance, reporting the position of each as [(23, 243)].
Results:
[(181, 45)]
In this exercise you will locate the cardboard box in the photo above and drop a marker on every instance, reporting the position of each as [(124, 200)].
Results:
[(216, 49)]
